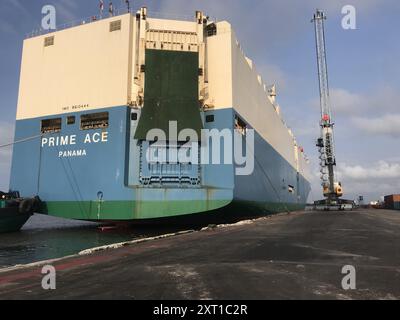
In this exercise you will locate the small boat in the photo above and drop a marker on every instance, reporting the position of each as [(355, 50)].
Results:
[(15, 211)]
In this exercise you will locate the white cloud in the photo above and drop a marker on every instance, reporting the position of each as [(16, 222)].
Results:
[(378, 101), (380, 170), (388, 124), (344, 101), (374, 113), (371, 190), (370, 180)]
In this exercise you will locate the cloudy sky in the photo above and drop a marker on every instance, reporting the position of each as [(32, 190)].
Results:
[(277, 34)]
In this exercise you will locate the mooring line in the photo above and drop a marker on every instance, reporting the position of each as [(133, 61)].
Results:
[(20, 141)]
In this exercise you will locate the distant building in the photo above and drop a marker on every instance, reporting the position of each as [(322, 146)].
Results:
[(392, 202)]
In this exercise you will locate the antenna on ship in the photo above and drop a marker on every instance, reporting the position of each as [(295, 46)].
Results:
[(101, 7), (111, 9), (332, 190)]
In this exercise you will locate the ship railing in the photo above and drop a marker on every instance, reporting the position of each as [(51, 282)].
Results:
[(169, 16), (105, 15), (75, 23)]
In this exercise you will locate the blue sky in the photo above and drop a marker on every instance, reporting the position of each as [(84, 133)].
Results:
[(363, 68)]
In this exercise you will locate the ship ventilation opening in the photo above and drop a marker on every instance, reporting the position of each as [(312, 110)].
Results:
[(51, 125), (115, 25), (94, 121), (49, 41), (240, 126), (211, 30)]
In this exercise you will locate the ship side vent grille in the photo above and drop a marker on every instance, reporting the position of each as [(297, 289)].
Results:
[(160, 165), (94, 121), (171, 40), (51, 125), (49, 41), (115, 25), (71, 120)]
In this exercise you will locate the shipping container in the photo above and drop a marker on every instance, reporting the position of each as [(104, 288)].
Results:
[(391, 201)]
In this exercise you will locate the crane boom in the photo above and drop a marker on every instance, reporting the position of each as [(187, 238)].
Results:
[(318, 20), (331, 189)]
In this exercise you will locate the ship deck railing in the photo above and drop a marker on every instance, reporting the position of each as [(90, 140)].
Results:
[(106, 15)]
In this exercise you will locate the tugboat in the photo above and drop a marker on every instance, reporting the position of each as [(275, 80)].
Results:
[(15, 211)]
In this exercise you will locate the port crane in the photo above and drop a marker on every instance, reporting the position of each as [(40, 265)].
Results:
[(332, 189)]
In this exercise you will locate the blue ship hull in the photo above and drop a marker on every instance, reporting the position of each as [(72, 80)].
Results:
[(98, 174)]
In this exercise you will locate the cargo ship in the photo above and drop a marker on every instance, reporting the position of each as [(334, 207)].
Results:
[(91, 94)]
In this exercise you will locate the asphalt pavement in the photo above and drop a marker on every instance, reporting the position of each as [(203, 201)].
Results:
[(296, 256)]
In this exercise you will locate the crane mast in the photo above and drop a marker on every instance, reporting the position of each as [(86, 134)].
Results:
[(326, 146)]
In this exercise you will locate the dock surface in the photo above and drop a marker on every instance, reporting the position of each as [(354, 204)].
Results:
[(296, 256)]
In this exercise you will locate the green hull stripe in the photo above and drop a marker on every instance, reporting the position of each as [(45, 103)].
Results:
[(130, 210)]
